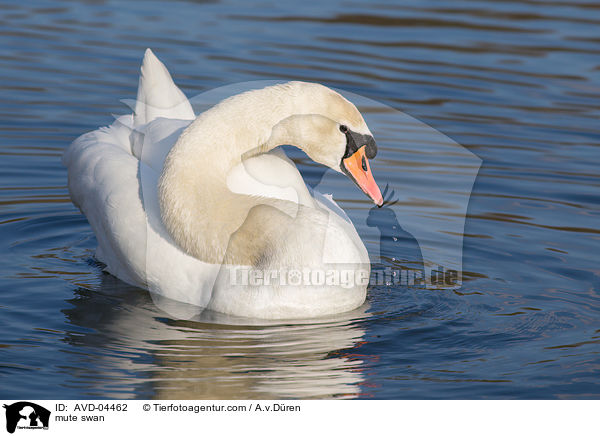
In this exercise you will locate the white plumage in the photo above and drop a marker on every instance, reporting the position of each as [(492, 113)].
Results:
[(169, 224)]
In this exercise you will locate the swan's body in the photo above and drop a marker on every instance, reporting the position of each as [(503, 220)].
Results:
[(178, 205)]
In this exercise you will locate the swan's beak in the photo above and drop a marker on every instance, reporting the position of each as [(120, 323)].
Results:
[(357, 167)]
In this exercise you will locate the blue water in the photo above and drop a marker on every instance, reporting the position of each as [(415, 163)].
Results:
[(517, 83)]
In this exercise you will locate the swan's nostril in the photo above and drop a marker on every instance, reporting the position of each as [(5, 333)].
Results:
[(364, 164)]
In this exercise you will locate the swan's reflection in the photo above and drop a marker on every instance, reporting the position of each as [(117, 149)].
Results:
[(212, 356)]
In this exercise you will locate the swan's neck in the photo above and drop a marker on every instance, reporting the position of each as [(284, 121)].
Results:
[(198, 209)]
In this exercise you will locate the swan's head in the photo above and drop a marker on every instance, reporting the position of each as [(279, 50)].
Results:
[(359, 148), (332, 132)]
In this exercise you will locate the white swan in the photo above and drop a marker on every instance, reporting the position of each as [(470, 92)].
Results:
[(191, 210)]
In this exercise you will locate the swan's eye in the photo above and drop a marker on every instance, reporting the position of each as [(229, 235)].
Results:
[(343, 128)]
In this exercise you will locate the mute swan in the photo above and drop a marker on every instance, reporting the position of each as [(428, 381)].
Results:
[(190, 207)]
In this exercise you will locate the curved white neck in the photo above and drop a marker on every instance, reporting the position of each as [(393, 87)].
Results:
[(197, 208)]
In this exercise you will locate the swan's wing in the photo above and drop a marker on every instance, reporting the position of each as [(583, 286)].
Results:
[(152, 142), (162, 111), (104, 182), (113, 173), (157, 95), (271, 175)]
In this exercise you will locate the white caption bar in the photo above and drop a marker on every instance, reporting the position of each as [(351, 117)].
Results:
[(149, 417)]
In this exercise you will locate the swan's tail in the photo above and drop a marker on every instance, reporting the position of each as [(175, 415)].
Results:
[(157, 95)]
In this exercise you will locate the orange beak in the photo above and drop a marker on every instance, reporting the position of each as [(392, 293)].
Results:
[(358, 168)]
